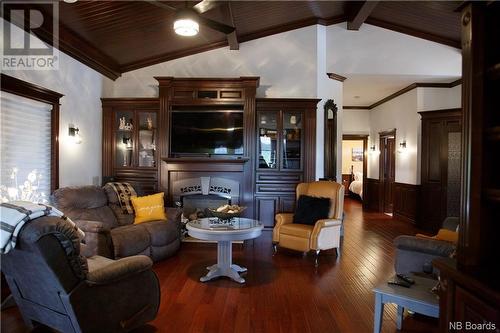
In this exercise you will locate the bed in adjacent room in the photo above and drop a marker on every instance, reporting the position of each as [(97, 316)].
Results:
[(356, 185)]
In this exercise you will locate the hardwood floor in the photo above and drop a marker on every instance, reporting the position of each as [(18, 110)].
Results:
[(283, 293)]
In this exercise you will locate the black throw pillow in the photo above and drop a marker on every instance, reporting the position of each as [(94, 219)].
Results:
[(311, 209)]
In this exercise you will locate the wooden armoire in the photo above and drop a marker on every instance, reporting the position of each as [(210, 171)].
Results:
[(440, 167)]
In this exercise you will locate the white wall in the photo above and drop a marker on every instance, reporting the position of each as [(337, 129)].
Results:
[(356, 121), (375, 50), (286, 64), (430, 99), (326, 89), (399, 113), (82, 88)]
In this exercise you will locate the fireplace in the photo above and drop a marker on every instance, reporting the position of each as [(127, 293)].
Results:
[(195, 195)]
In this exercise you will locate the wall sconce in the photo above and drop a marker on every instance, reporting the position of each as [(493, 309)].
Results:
[(373, 150), (402, 147), (74, 134), (293, 120)]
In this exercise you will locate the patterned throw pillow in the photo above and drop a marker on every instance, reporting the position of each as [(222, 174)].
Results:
[(149, 208)]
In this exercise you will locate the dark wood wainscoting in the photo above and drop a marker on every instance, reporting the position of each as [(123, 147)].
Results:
[(371, 194), (406, 198)]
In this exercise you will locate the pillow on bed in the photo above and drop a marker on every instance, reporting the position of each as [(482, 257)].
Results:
[(358, 176)]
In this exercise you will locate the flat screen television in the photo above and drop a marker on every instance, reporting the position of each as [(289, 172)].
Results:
[(207, 132)]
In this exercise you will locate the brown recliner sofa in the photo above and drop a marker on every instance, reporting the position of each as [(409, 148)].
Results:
[(111, 233), (54, 285)]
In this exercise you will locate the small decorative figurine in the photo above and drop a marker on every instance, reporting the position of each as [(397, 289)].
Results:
[(128, 126), (150, 123), (122, 123)]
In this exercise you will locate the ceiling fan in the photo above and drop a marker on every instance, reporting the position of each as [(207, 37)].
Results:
[(188, 19)]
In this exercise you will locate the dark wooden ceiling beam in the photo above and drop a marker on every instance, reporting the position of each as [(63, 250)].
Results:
[(241, 38), (206, 5), (232, 37), (357, 12), (414, 32)]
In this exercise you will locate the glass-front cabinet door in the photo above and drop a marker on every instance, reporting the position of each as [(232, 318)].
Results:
[(147, 139), (292, 141), (124, 139), (267, 124)]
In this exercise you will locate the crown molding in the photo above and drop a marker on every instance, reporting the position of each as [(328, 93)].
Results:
[(405, 90), (337, 77)]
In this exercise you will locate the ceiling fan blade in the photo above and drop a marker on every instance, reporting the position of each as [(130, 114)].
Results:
[(206, 5), (221, 27), (161, 5)]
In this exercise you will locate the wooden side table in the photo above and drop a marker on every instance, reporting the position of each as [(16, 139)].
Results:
[(418, 298)]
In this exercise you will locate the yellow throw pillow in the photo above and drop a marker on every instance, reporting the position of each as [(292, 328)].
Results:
[(149, 208), (444, 235)]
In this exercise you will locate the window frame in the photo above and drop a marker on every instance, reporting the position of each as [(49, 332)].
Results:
[(32, 91)]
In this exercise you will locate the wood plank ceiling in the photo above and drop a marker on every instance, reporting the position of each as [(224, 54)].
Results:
[(119, 36)]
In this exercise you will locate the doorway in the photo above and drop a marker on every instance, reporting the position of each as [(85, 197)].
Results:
[(354, 164), (387, 170)]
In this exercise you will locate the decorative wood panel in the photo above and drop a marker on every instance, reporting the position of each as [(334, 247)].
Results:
[(287, 204), (371, 195), (406, 199), (266, 208)]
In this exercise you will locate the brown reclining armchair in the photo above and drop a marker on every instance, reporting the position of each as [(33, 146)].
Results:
[(55, 286), (325, 234)]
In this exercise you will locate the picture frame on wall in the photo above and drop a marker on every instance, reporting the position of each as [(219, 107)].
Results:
[(357, 154)]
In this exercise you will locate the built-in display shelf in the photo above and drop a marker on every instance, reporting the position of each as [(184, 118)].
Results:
[(205, 160)]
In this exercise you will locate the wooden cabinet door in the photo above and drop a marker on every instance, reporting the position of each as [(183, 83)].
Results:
[(440, 167), (287, 204), (266, 209), (473, 311)]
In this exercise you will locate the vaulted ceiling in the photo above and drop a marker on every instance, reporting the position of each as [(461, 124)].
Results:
[(119, 36)]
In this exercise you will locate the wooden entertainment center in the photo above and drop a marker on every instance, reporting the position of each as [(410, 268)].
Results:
[(279, 142)]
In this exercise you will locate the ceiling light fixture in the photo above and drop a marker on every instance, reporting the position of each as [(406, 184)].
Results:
[(185, 23), (70, 1)]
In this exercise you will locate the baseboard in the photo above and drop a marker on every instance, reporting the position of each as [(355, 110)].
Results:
[(404, 218)]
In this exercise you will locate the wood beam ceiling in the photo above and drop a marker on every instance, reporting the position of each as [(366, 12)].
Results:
[(69, 43), (357, 13), (414, 32), (232, 38)]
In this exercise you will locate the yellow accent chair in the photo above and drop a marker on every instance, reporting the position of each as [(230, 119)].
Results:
[(325, 234)]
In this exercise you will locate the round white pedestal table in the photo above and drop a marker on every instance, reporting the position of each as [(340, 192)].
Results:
[(240, 229)]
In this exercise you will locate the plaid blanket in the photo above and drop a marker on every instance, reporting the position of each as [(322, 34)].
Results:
[(124, 191), (13, 216)]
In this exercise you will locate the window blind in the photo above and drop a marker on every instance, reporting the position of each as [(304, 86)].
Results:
[(25, 132)]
